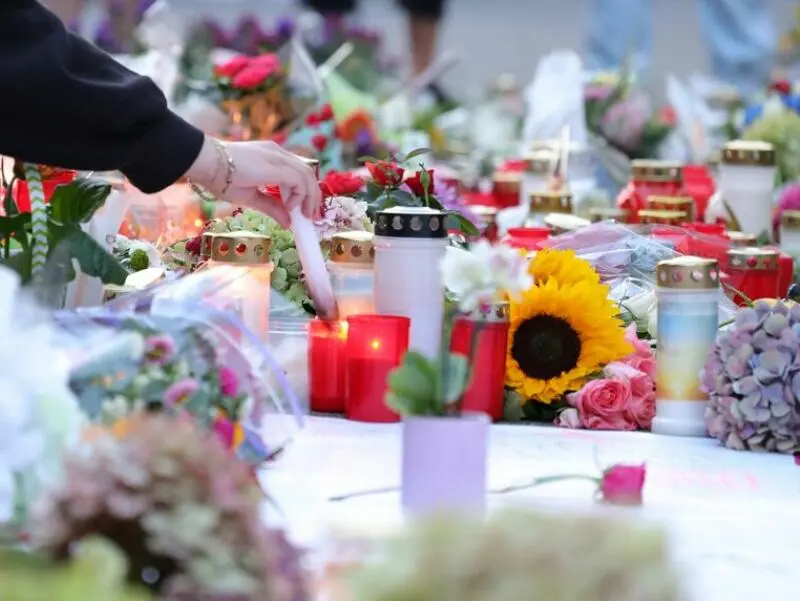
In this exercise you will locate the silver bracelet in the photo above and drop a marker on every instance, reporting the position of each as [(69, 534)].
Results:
[(226, 159)]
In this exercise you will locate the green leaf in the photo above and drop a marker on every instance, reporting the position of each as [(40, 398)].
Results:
[(403, 198), (21, 263), (412, 386), (14, 226), (367, 159), (94, 260), (434, 203), (415, 153), (456, 221), (456, 369), (9, 206), (77, 201)]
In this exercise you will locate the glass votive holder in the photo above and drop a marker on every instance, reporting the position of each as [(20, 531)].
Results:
[(351, 270), (327, 352), (375, 346), (489, 329), (245, 269)]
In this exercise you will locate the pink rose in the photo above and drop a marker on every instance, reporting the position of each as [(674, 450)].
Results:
[(641, 348), (569, 418), (228, 382), (602, 405), (646, 365), (641, 406), (232, 67), (642, 409), (269, 62), (251, 77), (623, 484)]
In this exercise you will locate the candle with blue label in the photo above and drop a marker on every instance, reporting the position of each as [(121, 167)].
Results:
[(688, 294)]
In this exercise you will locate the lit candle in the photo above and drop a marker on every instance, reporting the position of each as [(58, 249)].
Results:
[(484, 393), (375, 346), (352, 279), (327, 347), (245, 270)]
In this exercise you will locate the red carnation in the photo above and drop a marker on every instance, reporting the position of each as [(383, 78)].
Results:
[(325, 113), (386, 173), (312, 120), (232, 67), (415, 183), (251, 77), (319, 142), (340, 184)]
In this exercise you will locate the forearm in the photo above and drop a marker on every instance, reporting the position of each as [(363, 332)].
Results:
[(67, 104)]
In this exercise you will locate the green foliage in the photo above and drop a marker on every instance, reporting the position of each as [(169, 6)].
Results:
[(423, 386), (71, 206), (139, 260), (96, 573), (782, 130)]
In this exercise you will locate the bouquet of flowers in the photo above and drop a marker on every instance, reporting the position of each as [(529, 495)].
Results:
[(135, 255)]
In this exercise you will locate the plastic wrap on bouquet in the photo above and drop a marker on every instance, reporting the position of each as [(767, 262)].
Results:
[(625, 257), (182, 347)]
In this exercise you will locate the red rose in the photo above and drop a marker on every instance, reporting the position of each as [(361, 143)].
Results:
[(193, 245), (273, 191), (279, 138), (312, 120), (781, 86), (340, 184), (232, 67), (415, 183), (251, 77), (667, 115), (623, 484), (325, 113), (386, 173), (271, 62), (319, 142)]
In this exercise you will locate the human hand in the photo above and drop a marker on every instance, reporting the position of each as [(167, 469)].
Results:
[(257, 165)]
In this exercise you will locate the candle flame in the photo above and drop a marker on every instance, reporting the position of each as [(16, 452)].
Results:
[(198, 222), (343, 330), (375, 344)]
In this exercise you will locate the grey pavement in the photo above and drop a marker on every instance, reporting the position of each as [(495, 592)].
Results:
[(495, 36)]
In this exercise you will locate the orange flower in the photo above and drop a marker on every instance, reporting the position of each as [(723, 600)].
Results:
[(357, 121)]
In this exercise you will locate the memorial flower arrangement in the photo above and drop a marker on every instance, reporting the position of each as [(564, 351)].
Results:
[(174, 373), (182, 510), (520, 555), (781, 128), (564, 332), (753, 380), (475, 279), (244, 75)]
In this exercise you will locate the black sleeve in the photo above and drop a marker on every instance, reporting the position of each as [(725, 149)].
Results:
[(67, 104), (432, 9)]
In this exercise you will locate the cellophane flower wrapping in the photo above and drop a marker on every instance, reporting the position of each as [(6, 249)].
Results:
[(183, 346), (625, 256)]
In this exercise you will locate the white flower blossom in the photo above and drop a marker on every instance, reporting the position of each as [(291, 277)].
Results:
[(483, 274), (341, 214)]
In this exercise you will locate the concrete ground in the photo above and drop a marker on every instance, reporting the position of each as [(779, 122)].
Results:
[(495, 36)]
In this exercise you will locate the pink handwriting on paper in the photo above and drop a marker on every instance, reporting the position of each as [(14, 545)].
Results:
[(729, 480)]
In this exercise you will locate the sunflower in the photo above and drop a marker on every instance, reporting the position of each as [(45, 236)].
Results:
[(561, 333), (563, 265)]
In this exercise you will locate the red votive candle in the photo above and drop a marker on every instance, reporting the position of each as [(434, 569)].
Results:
[(484, 393), (375, 346), (527, 238), (754, 272), (327, 348)]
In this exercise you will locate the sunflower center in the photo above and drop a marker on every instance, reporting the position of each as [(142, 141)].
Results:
[(545, 347)]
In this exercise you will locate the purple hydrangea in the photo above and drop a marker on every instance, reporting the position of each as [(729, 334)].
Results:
[(752, 378)]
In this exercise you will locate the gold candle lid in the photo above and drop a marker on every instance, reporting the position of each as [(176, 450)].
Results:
[(688, 273), (602, 213), (663, 217), (205, 244), (353, 248), (655, 171), (741, 239), (790, 220), (562, 223), (670, 203), (748, 152), (242, 248), (538, 162), (550, 202), (750, 257)]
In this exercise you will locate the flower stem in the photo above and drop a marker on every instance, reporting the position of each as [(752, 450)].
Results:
[(544, 480)]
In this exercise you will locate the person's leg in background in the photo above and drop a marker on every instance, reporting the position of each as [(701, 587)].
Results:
[(333, 8), (618, 28), (424, 23), (742, 41)]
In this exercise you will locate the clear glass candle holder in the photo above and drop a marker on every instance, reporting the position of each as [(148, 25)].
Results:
[(243, 264), (351, 269)]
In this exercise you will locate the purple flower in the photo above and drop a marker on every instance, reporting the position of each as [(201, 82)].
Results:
[(228, 381), (364, 143), (284, 29), (451, 201), (159, 349), (181, 391)]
